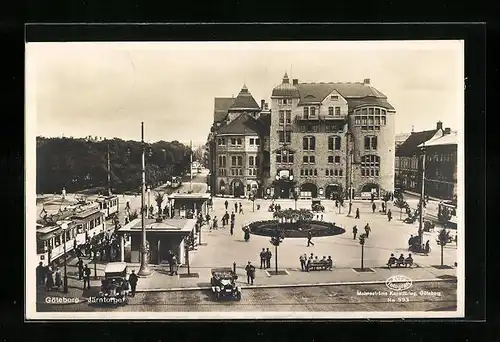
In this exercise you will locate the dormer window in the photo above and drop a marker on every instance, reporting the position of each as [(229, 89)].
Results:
[(313, 111), (334, 98)]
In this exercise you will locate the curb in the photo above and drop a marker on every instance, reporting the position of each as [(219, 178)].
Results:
[(347, 283)]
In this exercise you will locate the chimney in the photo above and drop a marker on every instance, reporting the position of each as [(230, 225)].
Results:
[(447, 130), (295, 81), (266, 106), (262, 103), (366, 81), (439, 125)]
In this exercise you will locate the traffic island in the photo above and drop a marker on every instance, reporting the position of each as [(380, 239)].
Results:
[(442, 267), (364, 270), (279, 272), (189, 275)]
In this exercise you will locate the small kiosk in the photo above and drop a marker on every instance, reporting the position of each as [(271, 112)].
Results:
[(188, 205), (168, 235)]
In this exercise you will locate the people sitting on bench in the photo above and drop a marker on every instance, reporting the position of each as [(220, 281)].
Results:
[(317, 264), (409, 260), (401, 260), (329, 262), (392, 260)]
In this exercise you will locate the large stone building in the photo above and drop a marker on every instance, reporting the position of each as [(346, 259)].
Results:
[(408, 164), (328, 138), (441, 166), (239, 145)]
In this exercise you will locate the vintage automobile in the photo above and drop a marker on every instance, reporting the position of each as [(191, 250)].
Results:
[(223, 283), (115, 287), (316, 206)]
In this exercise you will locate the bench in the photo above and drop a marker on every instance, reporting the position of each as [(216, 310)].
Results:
[(319, 266), (398, 263)]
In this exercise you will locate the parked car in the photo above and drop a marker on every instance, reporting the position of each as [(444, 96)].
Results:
[(223, 283), (316, 206), (115, 287)]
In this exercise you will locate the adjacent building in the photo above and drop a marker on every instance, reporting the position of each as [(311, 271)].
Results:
[(408, 163), (328, 138), (441, 166), (239, 145)]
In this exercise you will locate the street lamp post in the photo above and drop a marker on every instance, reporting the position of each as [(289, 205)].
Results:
[(421, 218), (144, 269), (65, 280)]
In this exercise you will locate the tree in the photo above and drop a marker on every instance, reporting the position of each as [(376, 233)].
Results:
[(362, 239), (443, 239), (159, 197), (401, 204), (444, 215), (276, 241)]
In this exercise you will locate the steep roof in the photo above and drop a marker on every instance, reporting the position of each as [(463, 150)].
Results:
[(222, 105), (447, 139), (243, 124), (355, 93), (410, 146), (244, 101)]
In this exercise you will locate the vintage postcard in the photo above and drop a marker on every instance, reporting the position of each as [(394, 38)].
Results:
[(257, 180)]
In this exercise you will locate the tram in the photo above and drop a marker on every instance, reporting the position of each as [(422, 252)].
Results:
[(52, 236), (176, 182), (108, 205)]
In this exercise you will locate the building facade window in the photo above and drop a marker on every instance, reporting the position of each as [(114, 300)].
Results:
[(281, 136), (288, 137), (309, 159), (236, 141), (306, 112), (309, 143), (240, 161), (337, 111), (222, 161), (334, 143), (233, 161), (251, 161), (370, 119), (254, 142), (330, 111), (288, 117), (221, 141), (370, 165), (312, 111), (334, 98), (285, 157), (371, 143), (282, 117)]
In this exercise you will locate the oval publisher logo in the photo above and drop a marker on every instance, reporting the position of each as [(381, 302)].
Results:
[(398, 283)]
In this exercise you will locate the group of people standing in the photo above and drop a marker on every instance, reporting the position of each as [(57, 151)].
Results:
[(265, 258), (48, 277), (236, 206), (367, 229)]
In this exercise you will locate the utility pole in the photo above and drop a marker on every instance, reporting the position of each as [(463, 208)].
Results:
[(109, 174), (191, 166), (65, 281), (144, 269), (421, 221)]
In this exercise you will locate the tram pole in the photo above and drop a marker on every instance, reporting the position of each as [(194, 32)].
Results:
[(65, 280), (144, 269)]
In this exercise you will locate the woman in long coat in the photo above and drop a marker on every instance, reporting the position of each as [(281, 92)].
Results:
[(58, 279), (49, 284)]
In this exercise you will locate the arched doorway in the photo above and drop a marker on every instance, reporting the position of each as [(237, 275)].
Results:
[(237, 188), (222, 187), (332, 189), (308, 190), (370, 188)]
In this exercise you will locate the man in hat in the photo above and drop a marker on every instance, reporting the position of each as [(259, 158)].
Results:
[(250, 273), (132, 279)]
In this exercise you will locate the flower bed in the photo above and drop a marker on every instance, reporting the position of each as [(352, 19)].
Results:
[(295, 229)]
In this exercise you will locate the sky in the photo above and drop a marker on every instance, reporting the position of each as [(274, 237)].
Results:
[(107, 89)]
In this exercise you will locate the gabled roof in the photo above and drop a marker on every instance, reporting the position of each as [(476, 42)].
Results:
[(317, 92), (447, 139), (221, 107), (410, 146), (245, 101), (244, 124)]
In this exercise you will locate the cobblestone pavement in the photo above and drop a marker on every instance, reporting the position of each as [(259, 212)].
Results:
[(299, 299)]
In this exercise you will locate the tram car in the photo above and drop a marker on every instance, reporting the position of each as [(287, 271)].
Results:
[(176, 182), (108, 205), (55, 239)]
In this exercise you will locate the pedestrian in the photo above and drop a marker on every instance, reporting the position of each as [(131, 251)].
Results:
[(354, 232), (86, 277), (302, 259), (250, 273), (263, 258), (170, 256), (58, 280), (226, 204), (357, 213), (40, 274), (389, 215), (231, 230), (233, 216), (427, 247), (350, 208), (309, 237), (383, 207), (133, 279), (336, 203), (374, 206), (75, 245), (321, 217), (49, 284), (367, 230), (235, 207), (175, 264), (241, 209), (309, 262), (410, 240), (215, 223), (268, 258)]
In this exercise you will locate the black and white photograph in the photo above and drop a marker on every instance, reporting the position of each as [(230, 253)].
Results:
[(245, 180)]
